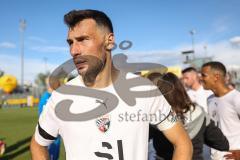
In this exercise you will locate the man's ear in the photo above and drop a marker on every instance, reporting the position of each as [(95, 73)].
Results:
[(217, 76), (109, 41)]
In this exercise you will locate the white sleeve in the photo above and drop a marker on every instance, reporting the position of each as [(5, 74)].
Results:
[(47, 129), (168, 122), (160, 110)]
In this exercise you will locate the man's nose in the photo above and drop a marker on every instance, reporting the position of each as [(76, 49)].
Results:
[(75, 49)]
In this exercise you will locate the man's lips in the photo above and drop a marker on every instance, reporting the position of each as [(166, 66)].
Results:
[(80, 63), (79, 60)]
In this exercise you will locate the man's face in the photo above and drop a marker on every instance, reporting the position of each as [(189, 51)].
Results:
[(188, 79), (87, 47), (207, 78)]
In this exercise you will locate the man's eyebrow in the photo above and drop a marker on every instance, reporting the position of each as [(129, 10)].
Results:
[(81, 37)]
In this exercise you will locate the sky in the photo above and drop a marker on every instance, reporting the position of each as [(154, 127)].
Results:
[(159, 31)]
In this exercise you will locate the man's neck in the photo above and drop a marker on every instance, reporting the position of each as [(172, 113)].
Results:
[(221, 90), (107, 76)]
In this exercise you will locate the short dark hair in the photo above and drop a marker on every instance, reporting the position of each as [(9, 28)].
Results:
[(75, 16), (215, 65), (189, 69)]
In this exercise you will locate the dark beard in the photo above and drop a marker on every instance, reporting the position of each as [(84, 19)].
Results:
[(90, 76), (95, 66)]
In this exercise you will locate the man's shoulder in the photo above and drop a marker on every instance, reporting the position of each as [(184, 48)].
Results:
[(234, 96), (211, 97), (236, 92)]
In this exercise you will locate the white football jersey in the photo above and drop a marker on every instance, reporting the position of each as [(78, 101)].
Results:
[(225, 111), (120, 134), (200, 96)]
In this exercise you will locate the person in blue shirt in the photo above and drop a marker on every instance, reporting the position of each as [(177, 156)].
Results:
[(54, 148)]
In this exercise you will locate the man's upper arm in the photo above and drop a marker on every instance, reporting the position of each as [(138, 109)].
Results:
[(47, 129)]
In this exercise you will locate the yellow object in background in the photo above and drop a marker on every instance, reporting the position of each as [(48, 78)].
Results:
[(8, 83), (177, 70), (29, 101)]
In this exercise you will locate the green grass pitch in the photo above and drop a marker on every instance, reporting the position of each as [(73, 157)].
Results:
[(16, 128)]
